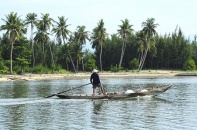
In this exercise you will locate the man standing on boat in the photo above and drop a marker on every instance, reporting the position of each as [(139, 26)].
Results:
[(95, 81)]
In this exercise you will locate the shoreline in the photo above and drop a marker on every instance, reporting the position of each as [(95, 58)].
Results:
[(103, 75)]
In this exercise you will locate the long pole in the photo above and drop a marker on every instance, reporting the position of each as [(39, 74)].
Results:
[(66, 91)]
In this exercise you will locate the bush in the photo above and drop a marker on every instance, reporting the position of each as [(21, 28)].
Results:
[(58, 67), (116, 68), (17, 69), (39, 69), (3, 68), (63, 71), (190, 65), (90, 65), (134, 64)]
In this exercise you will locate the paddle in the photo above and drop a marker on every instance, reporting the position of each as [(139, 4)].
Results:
[(66, 91)]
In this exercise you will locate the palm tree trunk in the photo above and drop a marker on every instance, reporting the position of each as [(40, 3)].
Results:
[(51, 54), (82, 64), (144, 58), (32, 45), (122, 53), (101, 56), (43, 57), (141, 62), (140, 59), (124, 50), (67, 65), (145, 53), (33, 55), (77, 65), (71, 60), (82, 60), (70, 56), (11, 51)]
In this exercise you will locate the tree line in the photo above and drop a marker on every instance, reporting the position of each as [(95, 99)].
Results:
[(124, 50)]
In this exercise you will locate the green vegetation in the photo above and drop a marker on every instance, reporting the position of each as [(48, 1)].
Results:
[(125, 50), (116, 68), (90, 64), (190, 65), (134, 64)]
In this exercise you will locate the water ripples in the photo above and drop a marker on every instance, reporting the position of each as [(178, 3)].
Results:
[(173, 110)]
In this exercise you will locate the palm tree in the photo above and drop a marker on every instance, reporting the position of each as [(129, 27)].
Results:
[(81, 37), (41, 37), (149, 32), (60, 29), (141, 45), (99, 36), (62, 56), (31, 19), (43, 27), (124, 32), (46, 21), (61, 33), (77, 51), (15, 28)]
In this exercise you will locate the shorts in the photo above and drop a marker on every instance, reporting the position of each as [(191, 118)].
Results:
[(96, 85)]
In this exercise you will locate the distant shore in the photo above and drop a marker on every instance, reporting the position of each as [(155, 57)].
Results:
[(103, 75)]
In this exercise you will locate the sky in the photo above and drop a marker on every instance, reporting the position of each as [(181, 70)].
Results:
[(167, 13)]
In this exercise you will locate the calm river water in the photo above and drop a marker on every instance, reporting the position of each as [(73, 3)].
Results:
[(22, 106)]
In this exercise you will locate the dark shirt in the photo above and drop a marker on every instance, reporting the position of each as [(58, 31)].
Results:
[(94, 79)]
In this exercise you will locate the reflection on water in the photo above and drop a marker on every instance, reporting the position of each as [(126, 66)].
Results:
[(23, 106), (98, 104)]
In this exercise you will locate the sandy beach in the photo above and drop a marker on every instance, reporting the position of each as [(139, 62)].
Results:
[(103, 75)]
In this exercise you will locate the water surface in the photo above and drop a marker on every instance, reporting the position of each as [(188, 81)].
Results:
[(23, 106)]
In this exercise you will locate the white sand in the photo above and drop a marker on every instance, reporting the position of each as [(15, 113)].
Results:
[(86, 75)]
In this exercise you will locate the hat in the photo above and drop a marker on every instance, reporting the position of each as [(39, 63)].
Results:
[(94, 71)]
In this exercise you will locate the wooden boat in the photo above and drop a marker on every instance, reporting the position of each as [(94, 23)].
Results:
[(117, 95)]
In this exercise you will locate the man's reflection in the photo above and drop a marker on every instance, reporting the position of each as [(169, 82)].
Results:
[(98, 105)]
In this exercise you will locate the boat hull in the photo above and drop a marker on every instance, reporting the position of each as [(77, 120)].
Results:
[(117, 95)]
